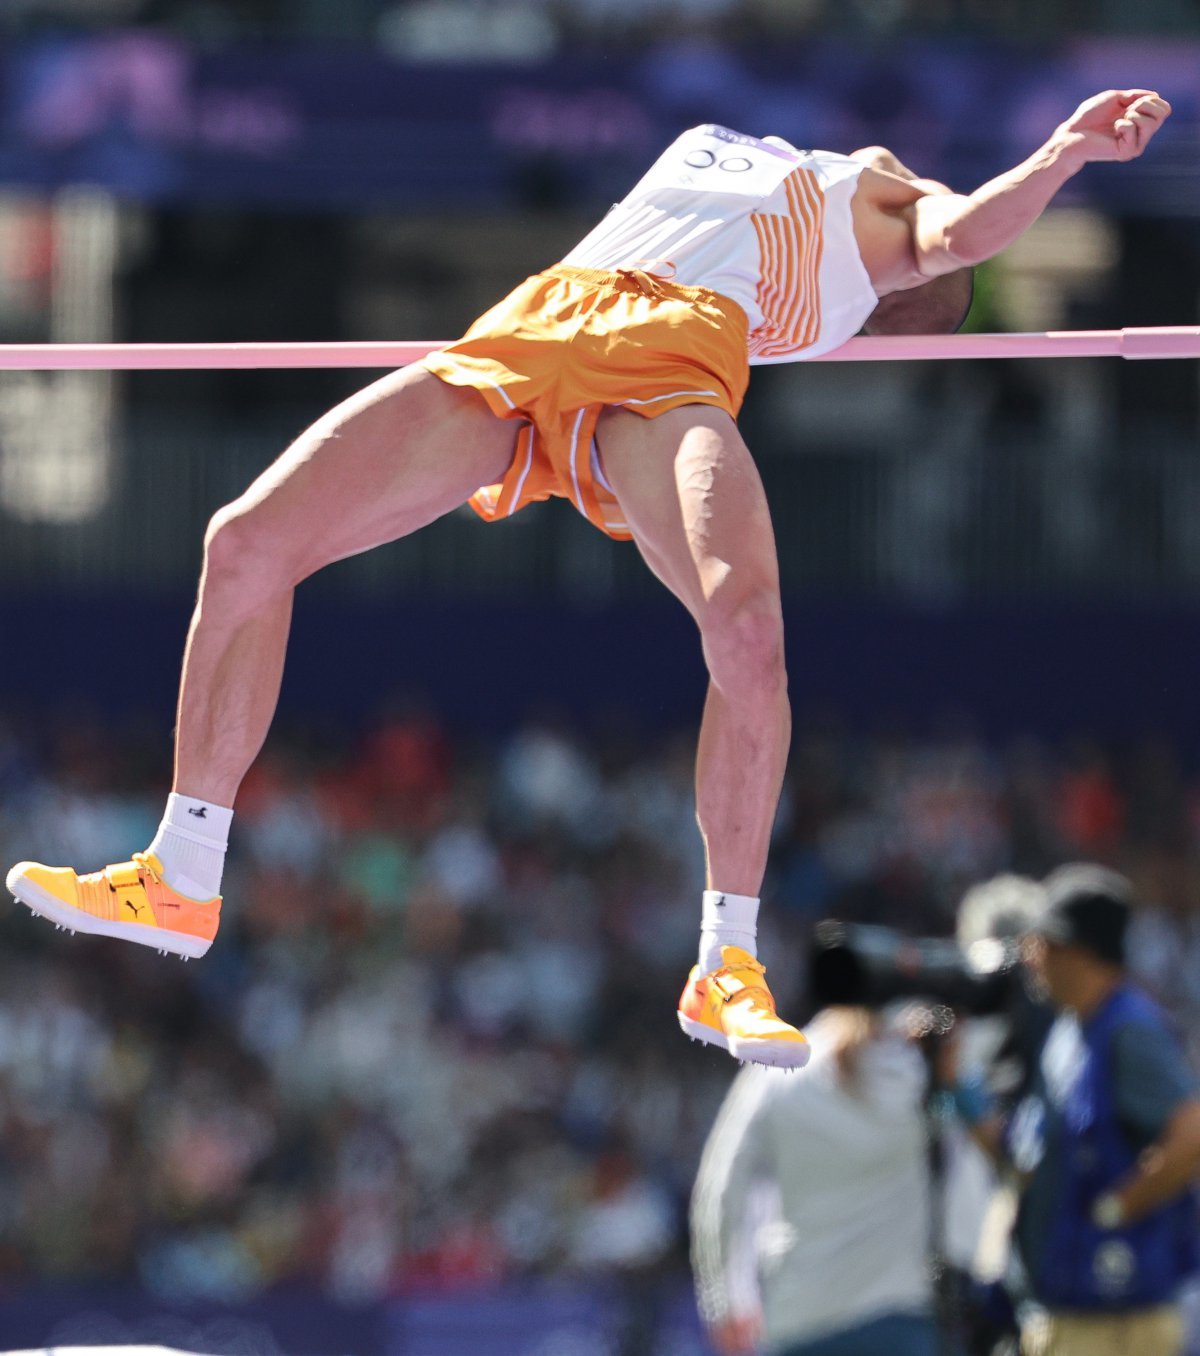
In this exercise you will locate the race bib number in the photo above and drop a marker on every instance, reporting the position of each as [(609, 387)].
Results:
[(716, 160)]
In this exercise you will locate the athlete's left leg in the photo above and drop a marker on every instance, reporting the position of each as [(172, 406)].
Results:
[(693, 500)]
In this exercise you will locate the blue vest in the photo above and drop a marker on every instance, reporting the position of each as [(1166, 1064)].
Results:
[(1081, 1266)]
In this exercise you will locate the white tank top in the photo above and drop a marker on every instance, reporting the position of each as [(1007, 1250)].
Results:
[(760, 222)]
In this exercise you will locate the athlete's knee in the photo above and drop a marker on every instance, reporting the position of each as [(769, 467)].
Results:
[(743, 643), (243, 568)]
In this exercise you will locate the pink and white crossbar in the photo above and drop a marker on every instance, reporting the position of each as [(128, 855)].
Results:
[(1167, 341)]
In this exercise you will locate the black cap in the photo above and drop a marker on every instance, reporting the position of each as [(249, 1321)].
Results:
[(1087, 906)]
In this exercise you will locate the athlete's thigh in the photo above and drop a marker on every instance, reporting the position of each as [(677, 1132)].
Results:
[(693, 499), (391, 458)]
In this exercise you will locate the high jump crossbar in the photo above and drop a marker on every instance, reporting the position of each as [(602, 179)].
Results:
[(1168, 341)]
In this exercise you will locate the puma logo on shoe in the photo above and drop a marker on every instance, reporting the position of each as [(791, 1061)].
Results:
[(201, 813), (131, 904)]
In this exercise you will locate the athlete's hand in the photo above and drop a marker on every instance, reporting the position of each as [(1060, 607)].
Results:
[(1116, 125)]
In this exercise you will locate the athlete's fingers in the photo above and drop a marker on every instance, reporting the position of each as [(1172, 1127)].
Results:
[(1125, 135), (1145, 124), (1151, 107)]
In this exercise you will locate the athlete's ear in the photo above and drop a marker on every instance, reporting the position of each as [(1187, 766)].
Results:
[(937, 307)]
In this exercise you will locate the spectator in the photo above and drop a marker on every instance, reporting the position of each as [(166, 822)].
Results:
[(839, 1266), (1106, 1144), (268, 1099)]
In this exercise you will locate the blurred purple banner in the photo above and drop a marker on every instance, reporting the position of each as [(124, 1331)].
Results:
[(552, 1321), (282, 1324), (296, 127), (529, 1320)]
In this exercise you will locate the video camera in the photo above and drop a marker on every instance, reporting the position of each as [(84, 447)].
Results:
[(868, 965)]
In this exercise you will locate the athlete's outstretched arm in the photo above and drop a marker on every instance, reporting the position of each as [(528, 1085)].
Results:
[(952, 231)]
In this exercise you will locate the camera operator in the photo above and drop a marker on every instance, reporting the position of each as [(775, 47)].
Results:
[(1105, 1145), (839, 1266)]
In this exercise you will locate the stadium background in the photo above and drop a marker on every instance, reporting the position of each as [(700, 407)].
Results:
[(371, 1121)]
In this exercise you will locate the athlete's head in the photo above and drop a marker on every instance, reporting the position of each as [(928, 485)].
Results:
[(937, 307)]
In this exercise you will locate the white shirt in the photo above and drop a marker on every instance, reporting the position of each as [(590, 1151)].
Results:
[(848, 1237), (759, 222)]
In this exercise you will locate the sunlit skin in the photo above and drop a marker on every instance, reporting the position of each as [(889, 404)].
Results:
[(910, 230)]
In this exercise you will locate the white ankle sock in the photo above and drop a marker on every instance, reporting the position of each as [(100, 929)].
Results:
[(190, 843), (726, 920)]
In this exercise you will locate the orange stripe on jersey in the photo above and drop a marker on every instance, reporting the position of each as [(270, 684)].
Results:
[(790, 248), (797, 323), (817, 203), (787, 282), (776, 280), (808, 204), (792, 319)]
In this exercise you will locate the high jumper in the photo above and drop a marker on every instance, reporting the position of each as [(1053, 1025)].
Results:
[(614, 380)]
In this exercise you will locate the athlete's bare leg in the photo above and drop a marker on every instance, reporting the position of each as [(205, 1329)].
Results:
[(392, 458), (694, 502)]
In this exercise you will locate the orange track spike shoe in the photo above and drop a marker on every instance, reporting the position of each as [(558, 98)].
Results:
[(733, 1008), (130, 901)]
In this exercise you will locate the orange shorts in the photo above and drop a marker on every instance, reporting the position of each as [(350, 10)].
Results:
[(571, 341)]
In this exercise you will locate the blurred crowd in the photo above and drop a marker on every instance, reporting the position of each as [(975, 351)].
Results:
[(434, 1044), (534, 29)]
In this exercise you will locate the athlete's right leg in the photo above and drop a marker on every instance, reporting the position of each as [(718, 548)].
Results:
[(389, 460), (392, 458)]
